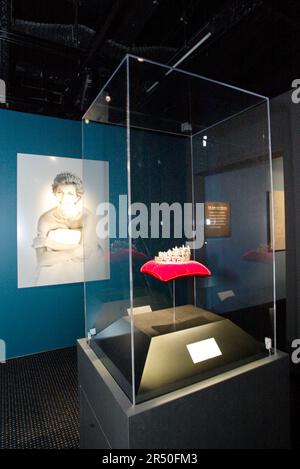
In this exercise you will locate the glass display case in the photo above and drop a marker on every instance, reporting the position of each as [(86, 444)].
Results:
[(182, 287)]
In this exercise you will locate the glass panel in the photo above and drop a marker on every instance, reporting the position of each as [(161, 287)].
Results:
[(232, 178), (202, 149), (107, 279), (190, 158)]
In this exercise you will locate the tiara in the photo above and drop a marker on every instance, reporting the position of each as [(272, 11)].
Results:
[(174, 256)]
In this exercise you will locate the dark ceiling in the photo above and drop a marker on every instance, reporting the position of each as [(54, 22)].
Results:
[(55, 56)]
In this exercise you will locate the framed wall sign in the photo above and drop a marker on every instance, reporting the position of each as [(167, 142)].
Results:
[(217, 219)]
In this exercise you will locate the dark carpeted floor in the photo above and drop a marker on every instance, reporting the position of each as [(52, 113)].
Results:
[(39, 406)]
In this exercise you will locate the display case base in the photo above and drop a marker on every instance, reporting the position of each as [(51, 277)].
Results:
[(162, 340), (247, 407)]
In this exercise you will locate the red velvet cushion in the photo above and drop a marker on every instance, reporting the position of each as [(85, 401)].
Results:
[(167, 272)]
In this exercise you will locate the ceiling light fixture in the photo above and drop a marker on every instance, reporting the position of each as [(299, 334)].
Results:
[(153, 86), (196, 46)]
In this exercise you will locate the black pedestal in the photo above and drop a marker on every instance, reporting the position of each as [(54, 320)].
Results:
[(247, 407)]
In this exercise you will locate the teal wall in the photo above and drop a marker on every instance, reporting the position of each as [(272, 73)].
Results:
[(37, 319)]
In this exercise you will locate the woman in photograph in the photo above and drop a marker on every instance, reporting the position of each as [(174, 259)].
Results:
[(59, 242)]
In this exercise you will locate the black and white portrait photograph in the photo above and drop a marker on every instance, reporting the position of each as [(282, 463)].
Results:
[(55, 212)]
